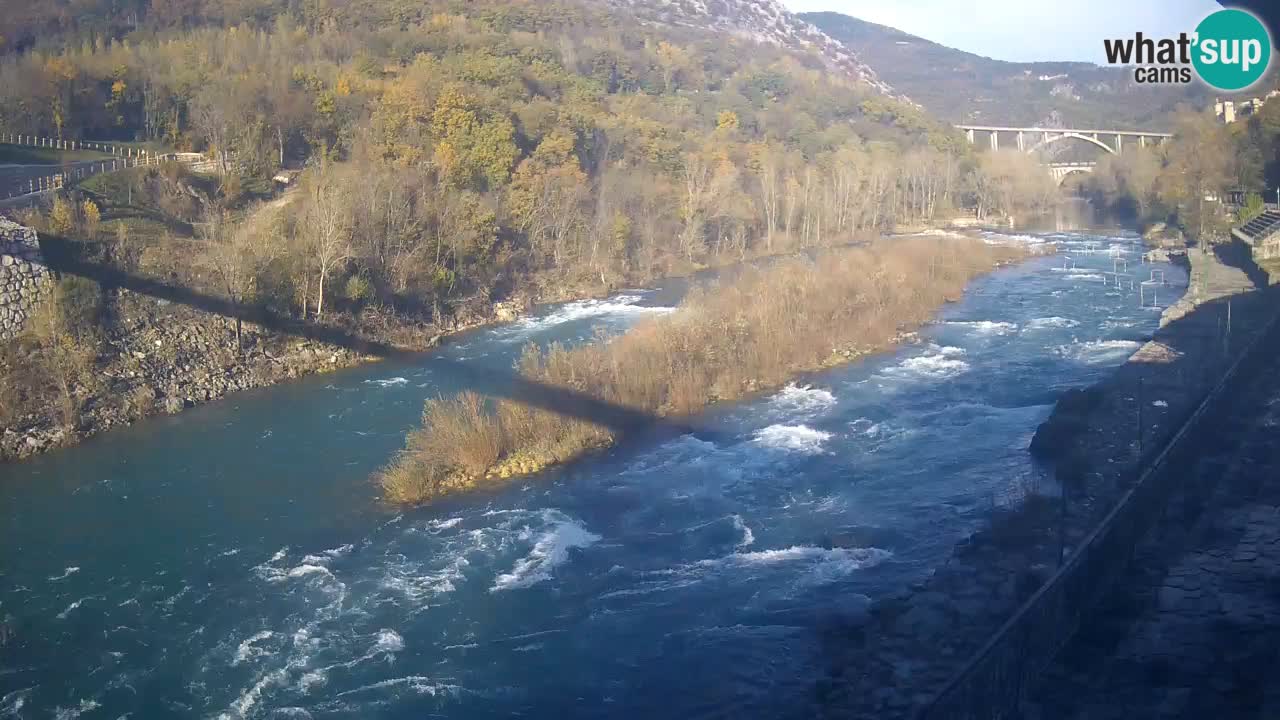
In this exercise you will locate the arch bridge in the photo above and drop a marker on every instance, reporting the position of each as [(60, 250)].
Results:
[(1060, 170), (1031, 139)]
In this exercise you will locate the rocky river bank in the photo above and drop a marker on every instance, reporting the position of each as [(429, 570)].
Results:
[(1095, 441), (159, 357)]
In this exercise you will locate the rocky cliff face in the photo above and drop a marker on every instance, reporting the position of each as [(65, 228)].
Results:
[(765, 21), (24, 280)]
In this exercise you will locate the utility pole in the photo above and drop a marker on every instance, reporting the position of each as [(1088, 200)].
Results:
[(1141, 400)]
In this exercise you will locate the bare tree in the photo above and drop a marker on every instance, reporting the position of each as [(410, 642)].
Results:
[(210, 115), (767, 169), (235, 252), (326, 224)]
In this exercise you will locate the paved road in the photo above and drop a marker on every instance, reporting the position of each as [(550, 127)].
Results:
[(14, 179), (1196, 633)]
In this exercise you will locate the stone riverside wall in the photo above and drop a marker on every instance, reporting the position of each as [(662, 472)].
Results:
[(1139, 435), (966, 642), (24, 279)]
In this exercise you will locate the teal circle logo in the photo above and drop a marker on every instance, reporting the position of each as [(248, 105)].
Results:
[(1232, 49)]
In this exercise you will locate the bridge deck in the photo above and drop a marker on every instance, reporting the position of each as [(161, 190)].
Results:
[(1123, 133)]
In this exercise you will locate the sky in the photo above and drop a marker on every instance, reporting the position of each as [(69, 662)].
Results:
[(1024, 30)]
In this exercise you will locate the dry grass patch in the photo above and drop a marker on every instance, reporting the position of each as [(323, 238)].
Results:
[(726, 340)]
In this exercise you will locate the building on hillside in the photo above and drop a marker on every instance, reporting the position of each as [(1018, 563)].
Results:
[(1225, 110), (1228, 111), (1262, 235)]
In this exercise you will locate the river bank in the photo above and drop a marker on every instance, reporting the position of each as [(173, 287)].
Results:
[(158, 357), (1191, 629), (1093, 445)]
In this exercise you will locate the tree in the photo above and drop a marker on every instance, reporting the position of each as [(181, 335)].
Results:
[(92, 218), (1012, 182), (326, 226), (547, 196), (211, 116), (231, 251), (675, 62), (766, 165), (62, 216), (1127, 182), (1253, 207), (1196, 174), (696, 177), (475, 147)]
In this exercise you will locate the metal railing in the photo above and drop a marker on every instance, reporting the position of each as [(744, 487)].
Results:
[(992, 684), (34, 185), (39, 141)]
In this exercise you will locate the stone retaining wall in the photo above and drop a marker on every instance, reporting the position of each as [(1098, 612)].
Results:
[(24, 279)]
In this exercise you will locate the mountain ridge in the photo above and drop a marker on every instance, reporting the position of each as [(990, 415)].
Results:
[(964, 87), (766, 21)]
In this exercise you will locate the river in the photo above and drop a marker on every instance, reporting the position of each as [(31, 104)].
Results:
[(233, 561)]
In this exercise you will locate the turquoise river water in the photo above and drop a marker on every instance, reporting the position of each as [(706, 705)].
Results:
[(233, 561)]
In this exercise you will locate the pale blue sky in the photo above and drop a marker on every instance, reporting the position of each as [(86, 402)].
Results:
[(1024, 30)]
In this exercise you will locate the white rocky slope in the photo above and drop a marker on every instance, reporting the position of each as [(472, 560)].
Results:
[(764, 21)]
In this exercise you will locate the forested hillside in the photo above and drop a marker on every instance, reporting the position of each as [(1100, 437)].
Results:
[(462, 147), (457, 154)]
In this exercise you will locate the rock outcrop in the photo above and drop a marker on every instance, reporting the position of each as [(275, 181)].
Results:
[(1070, 418)]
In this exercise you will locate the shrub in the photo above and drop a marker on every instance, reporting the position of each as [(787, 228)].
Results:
[(62, 216), (79, 301), (464, 434), (65, 336), (1252, 208), (358, 289), (92, 218), (141, 401)]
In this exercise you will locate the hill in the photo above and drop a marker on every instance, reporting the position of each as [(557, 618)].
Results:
[(962, 87)]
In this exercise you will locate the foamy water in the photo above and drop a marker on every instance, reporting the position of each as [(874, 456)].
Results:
[(986, 327), (549, 551), (663, 577), (793, 438), (935, 363), (1053, 322), (802, 400), (1100, 351), (618, 308)]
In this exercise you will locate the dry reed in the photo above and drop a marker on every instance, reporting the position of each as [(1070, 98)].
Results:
[(727, 340)]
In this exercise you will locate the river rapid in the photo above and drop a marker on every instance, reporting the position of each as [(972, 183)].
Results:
[(233, 561)]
